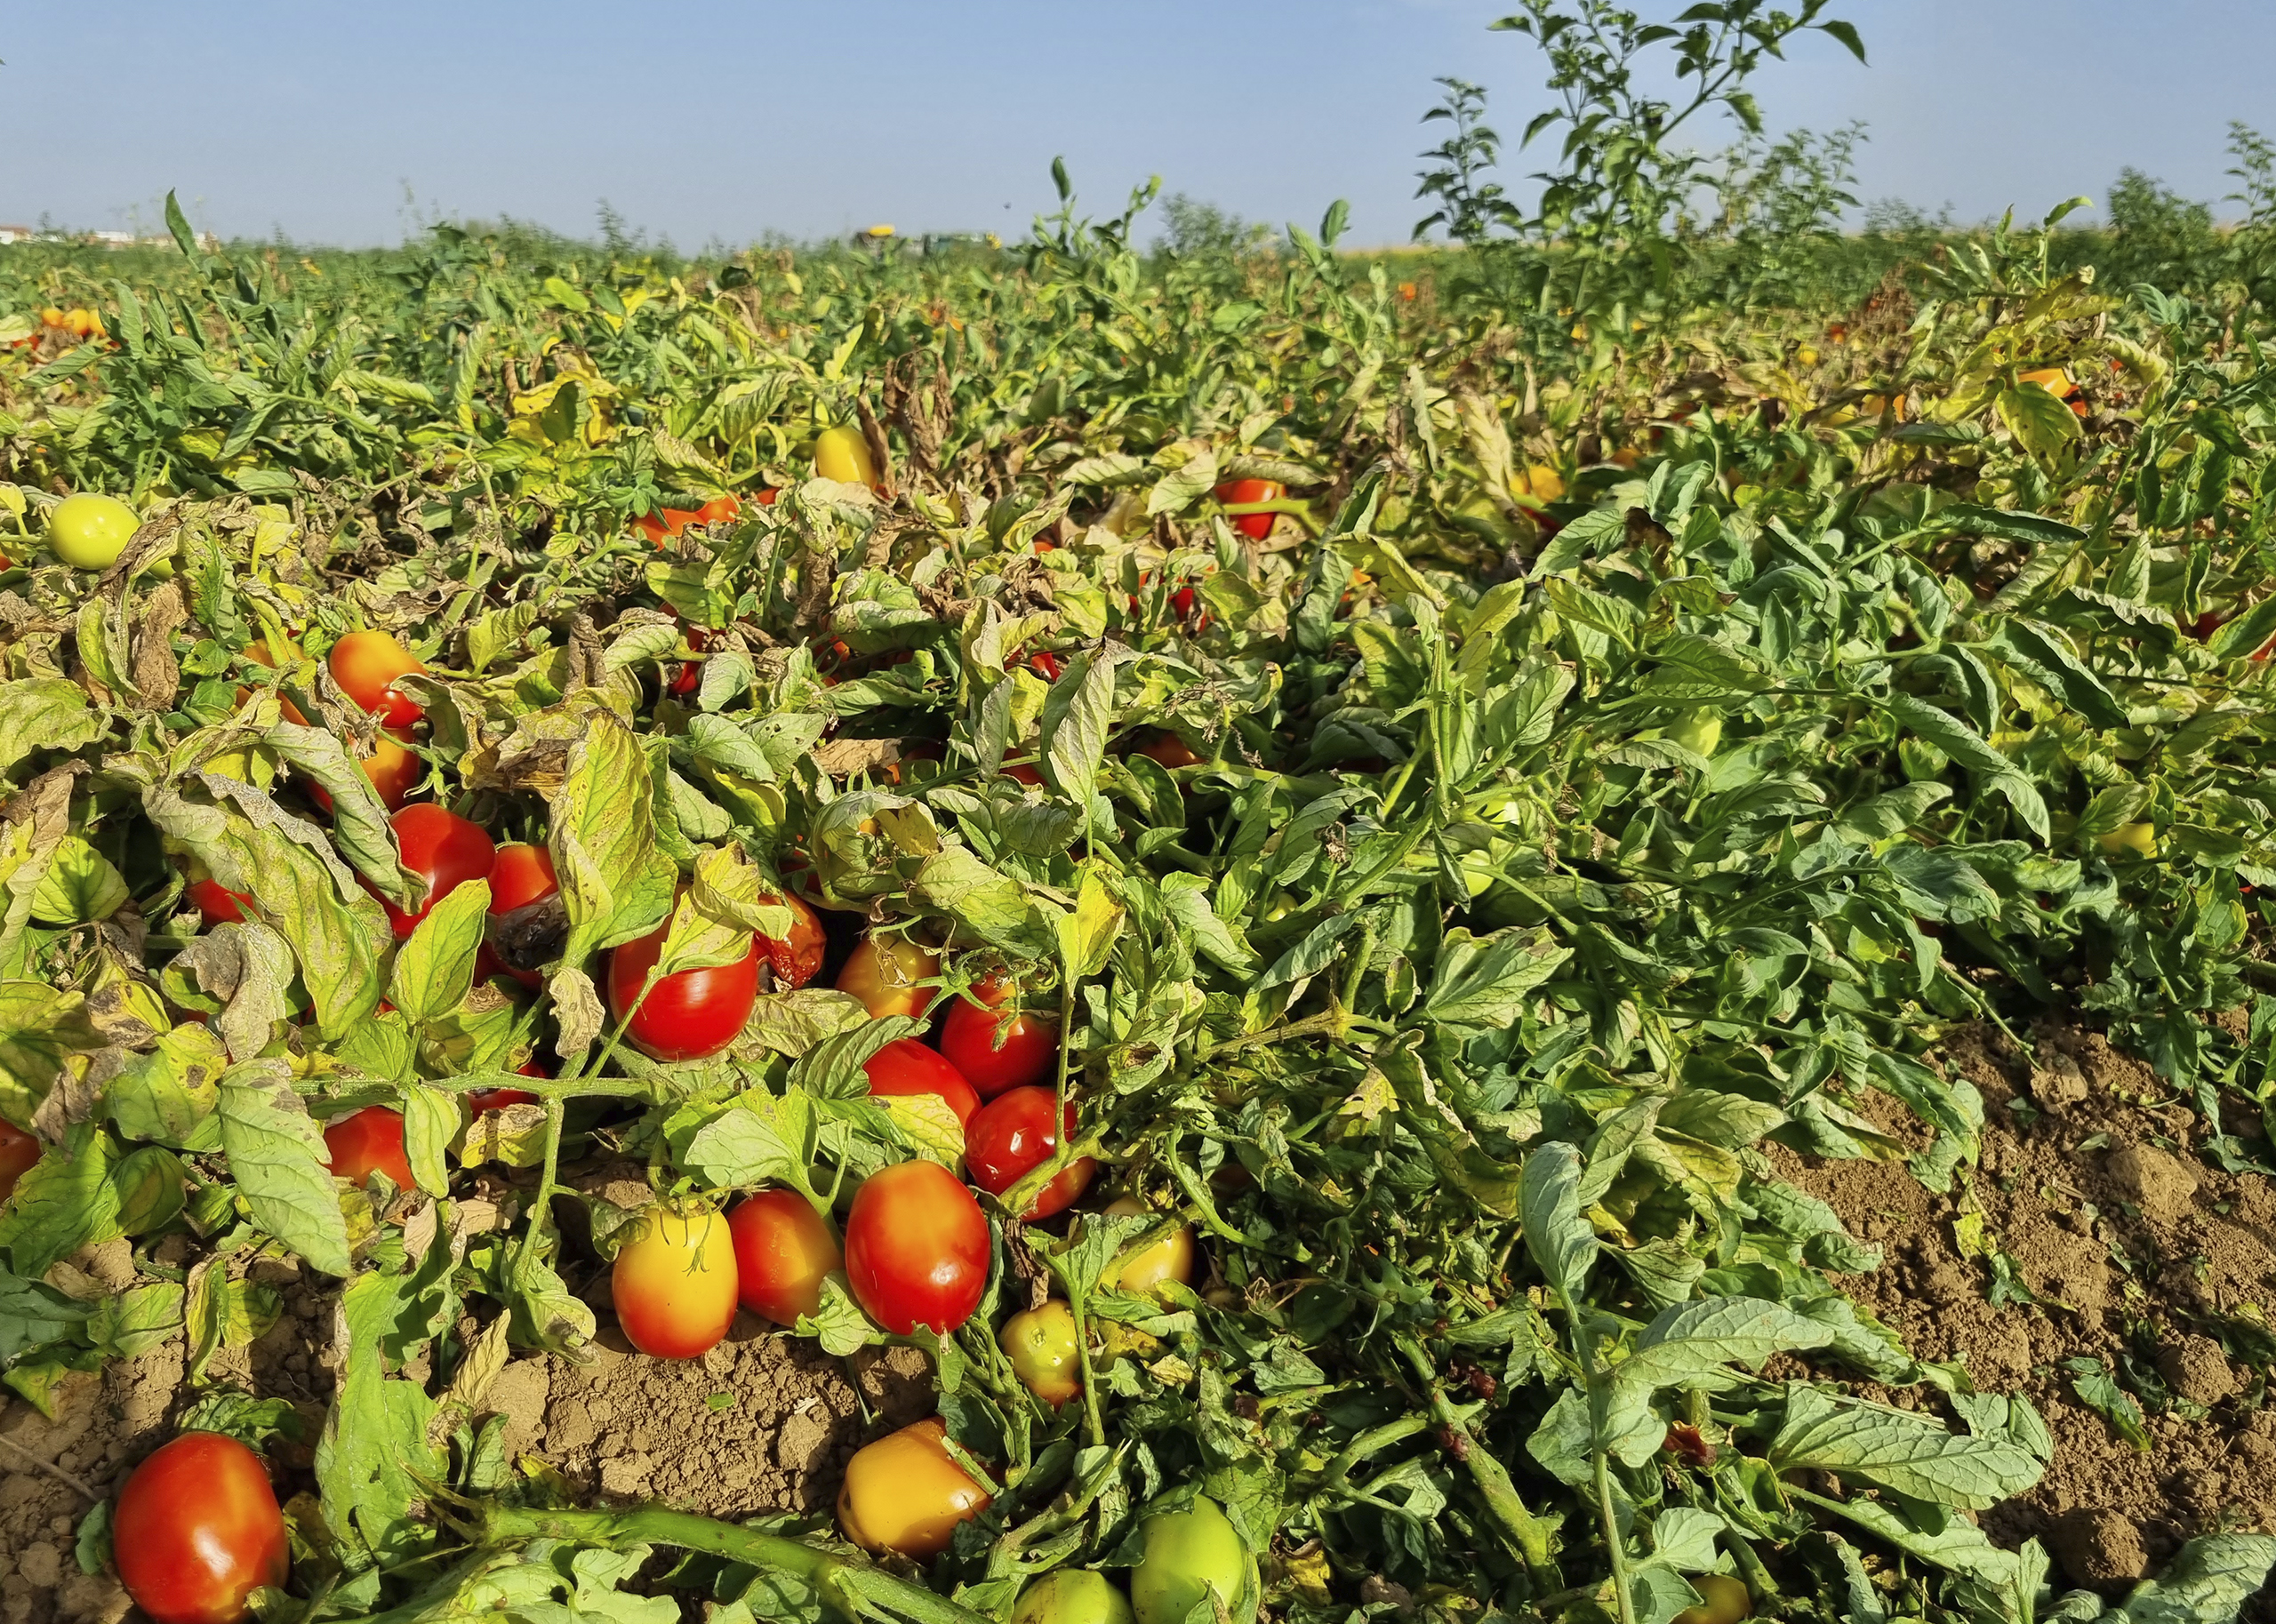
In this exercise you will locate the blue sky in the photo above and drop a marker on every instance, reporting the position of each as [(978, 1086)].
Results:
[(708, 120)]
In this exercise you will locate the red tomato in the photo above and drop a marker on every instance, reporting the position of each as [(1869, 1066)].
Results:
[(686, 678), (521, 877), (216, 903), (906, 1066), (393, 771), (367, 1141), (443, 848), (783, 1248), (258, 652), (1256, 526), (883, 973), (1171, 751), (996, 1055), (481, 1099), (674, 1283), (1019, 772), (796, 959), (917, 1248), (18, 1151), (766, 497), (1013, 1133), (1046, 664), (689, 1015), (197, 1530), (366, 665)]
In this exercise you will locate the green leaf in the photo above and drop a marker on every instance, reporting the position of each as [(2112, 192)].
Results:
[(2098, 1390), (2207, 1581), (79, 887), (616, 882), (41, 1027), (42, 714), (65, 1201), (1076, 716), (1483, 982), (2045, 656), (1556, 1235), (2245, 634), (759, 1139), (430, 1121), (434, 969), (32, 1313), (1185, 899), (1896, 1450), (279, 1159), (1087, 935), (2035, 417), (1968, 747), (373, 1455), (1689, 1346)]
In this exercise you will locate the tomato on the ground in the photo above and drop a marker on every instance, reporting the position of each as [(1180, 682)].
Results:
[(1255, 526), (1041, 1345), (906, 1066), (1014, 1133), (366, 665), (996, 1053), (89, 531), (883, 973), (19, 1151), (443, 848), (367, 1141), (917, 1248), (783, 1250), (674, 1283), (197, 1530), (688, 1015), (904, 1494), (1072, 1595), (1140, 1272), (1187, 1553)]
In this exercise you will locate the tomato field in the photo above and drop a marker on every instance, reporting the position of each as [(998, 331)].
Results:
[(1572, 927)]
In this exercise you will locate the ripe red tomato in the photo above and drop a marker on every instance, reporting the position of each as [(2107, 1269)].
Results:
[(674, 1283), (997, 1055), (367, 1141), (1171, 751), (216, 903), (443, 848), (906, 1066), (481, 1099), (1021, 772), (796, 958), (1046, 665), (883, 973), (18, 1151), (366, 665), (1013, 1133), (197, 1530), (783, 1248), (1255, 526), (689, 1015), (259, 652), (917, 1248), (521, 877)]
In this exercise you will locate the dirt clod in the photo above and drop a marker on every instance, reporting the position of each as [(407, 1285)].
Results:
[(2197, 1369), (2099, 1548), (2157, 1183)]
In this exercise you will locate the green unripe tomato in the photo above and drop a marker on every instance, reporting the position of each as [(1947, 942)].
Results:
[(89, 531), (1700, 732), (1722, 1600), (1188, 1554), (1072, 1595)]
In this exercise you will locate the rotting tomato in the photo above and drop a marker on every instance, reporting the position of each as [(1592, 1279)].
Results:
[(841, 453), (796, 959), (527, 920), (783, 1250), (367, 665), (689, 1014), (368, 1141), (1013, 1134), (917, 1248), (1255, 526), (1722, 1600), (906, 1066), (1187, 1553), (1072, 1595), (995, 1052), (674, 1283), (884, 972), (1142, 1272), (1041, 1345), (19, 1151), (197, 1530), (905, 1494), (89, 531), (443, 848)]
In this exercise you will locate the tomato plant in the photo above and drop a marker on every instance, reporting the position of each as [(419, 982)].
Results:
[(917, 1248), (367, 665), (1013, 1134), (89, 531), (884, 972), (784, 1250), (1041, 1344), (905, 1494), (906, 1066), (687, 1015), (197, 1530), (996, 1053), (674, 1284), (443, 849), (368, 1141)]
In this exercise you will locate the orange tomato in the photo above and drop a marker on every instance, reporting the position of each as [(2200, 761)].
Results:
[(783, 1250), (675, 1283), (905, 1494), (884, 971), (366, 665)]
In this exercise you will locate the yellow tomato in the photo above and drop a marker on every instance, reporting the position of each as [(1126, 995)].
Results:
[(1807, 355), (904, 1494), (674, 1283), (89, 531), (842, 454), (1170, 1258), (1040, 1343), (884, 972), (2139, 838), (1722, 1600)]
